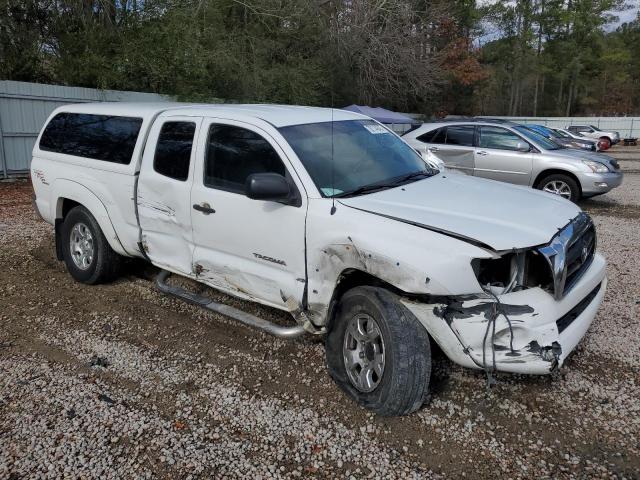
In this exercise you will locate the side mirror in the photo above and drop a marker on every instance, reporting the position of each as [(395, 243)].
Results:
[(267, 186), (523, 147)]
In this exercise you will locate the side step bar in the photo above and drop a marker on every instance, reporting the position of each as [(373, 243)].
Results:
[(226, 310)]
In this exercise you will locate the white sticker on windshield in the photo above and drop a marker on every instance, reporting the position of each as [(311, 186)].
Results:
[(330, 192), (375, 128)]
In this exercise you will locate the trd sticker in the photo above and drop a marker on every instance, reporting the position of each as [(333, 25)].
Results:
[(40, 176)]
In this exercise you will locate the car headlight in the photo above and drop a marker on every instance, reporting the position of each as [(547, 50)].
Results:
[(513, 271), (596, 167)]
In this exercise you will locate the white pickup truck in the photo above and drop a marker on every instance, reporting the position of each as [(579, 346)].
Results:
[(327, 215)]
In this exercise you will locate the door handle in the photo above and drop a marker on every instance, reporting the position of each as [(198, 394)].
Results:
[(482, 152), (433, 149), (204, 208)]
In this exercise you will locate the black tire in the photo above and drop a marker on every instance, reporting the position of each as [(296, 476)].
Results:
[(404, 384), (105, 263), (575, 192)]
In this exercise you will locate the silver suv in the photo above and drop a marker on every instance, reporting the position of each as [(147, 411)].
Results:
[(511, 153), (591, 131)]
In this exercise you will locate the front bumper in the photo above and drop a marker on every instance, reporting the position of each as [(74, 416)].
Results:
[(536, 319), (598, 183)]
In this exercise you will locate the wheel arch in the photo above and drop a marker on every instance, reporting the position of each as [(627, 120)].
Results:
[(351, 278), (67, 194), (557, 171)]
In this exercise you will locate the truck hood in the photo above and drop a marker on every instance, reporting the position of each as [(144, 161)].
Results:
[(490, 214)]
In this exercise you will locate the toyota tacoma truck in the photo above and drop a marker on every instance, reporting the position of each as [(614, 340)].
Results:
[(329, 216)]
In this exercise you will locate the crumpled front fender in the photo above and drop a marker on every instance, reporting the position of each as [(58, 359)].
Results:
[(532, 333)]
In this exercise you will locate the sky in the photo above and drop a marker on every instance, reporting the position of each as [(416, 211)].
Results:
[(628, 13)]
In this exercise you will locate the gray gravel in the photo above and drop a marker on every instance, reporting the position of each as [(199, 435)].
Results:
[(118, 381)]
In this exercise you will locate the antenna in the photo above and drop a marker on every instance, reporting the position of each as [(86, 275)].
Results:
[(333, 169)]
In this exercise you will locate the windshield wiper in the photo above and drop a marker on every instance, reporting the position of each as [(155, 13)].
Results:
[(381, 186), (411, 176), (365, 189)]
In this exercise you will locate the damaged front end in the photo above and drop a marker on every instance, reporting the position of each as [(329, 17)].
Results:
[(535, 306)]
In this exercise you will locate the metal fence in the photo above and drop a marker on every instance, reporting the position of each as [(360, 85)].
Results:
[(24, 107), (627, 126)]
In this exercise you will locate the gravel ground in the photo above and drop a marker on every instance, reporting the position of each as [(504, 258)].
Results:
[(617, 199), (118, 381), (629, 154)]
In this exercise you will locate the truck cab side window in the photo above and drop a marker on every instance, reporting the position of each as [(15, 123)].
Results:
[(173, 150), (234, 153)]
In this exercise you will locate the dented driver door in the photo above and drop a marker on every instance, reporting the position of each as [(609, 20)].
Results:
[(253, 249), (164, 193)]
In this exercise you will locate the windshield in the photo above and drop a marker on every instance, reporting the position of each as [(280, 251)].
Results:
[(544, 131), (543, 142), (364, 154), (562, 134), (595, 128)]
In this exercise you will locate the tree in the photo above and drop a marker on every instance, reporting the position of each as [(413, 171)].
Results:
[(548, 57)]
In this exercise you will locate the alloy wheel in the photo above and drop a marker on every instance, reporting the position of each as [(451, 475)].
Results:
[(558, 187), (363, 352), (81, 246)]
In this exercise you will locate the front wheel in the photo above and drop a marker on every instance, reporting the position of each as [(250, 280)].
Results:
[(562, 185), (378, 352), (87, 254)]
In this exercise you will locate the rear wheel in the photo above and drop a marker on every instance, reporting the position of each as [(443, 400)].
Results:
[(562, 185), (378, 352), (87, 254)]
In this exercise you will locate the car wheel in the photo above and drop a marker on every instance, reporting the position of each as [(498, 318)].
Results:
[(87, 254), (378, 352), (562, 185), (605, 143)]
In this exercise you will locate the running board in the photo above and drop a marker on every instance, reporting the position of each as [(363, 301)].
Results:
[(226, 310)]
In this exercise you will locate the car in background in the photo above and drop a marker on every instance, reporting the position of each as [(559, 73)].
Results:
[(509, 152), (592, 131), (584, 144), (600, 144)]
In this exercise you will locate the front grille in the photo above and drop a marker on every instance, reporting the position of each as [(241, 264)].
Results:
[(568, 318), (570, 253), (579, 257)]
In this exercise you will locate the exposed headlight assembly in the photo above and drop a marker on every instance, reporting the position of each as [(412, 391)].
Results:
[(596, 167), (513, 271)]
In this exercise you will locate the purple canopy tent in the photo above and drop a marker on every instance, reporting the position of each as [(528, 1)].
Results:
[(381, 114)]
